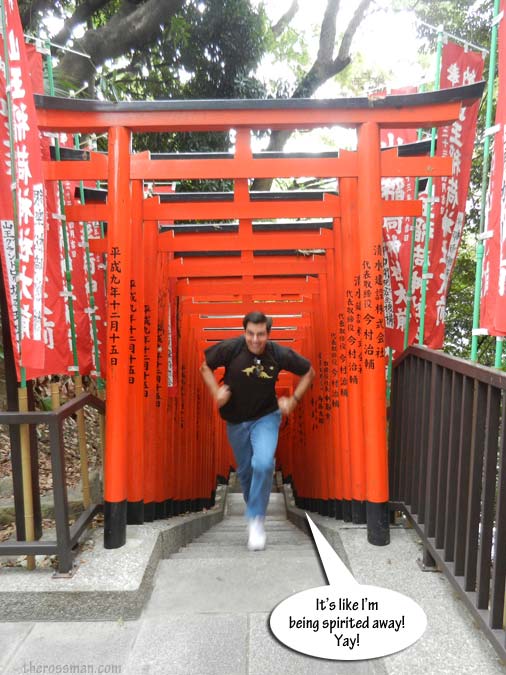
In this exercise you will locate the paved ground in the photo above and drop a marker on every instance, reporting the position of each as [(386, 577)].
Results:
[(209, 609)]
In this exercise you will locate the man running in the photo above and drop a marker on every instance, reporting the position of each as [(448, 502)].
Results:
[(247, 402)]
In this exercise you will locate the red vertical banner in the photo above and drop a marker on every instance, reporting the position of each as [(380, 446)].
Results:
[(397, 236), (493, 285), (27, 181), (77, 259), (459, 67), (57, 337)]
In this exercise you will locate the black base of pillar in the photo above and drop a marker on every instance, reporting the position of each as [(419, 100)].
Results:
[(358, 512), (169, 508), (115, 520), (303, 503), (378, 532), (149, 512), (323, 507), (135, 513), (332, 508), (346, 503), (160, 512)]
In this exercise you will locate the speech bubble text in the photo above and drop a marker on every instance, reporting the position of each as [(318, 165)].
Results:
[(346, 620)]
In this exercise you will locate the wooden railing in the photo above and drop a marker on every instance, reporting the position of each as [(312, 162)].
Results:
[(447, 443), (67, 536)]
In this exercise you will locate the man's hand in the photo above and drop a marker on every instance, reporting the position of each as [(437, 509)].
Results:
[(287, 404), (223, 395)]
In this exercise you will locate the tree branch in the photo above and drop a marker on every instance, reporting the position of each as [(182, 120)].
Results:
[(328, 32), (284, 21), (136, 26), (28, 12), (349, 34), (83, 12), (322, 69)]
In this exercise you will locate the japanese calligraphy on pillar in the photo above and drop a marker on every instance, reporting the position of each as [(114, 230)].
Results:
[(335, 352), (172, 339), (493, 286), (353, 342), (25, 176), (115, 293), (372, 329), (147, 348), (132, 334)]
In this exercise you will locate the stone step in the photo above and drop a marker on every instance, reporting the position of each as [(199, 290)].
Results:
[(254, 584), (241, 526), (218, 552), (235, 504), (226, 537)]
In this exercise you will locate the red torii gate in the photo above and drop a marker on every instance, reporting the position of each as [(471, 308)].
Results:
[(340, 290)]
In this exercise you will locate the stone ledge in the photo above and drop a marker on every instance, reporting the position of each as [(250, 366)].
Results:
[(108, 584), (329, 527)]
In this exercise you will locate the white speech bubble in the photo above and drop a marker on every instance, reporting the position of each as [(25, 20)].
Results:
[(346, 620)]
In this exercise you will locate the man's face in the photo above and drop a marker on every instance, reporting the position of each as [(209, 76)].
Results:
[(256, 337)]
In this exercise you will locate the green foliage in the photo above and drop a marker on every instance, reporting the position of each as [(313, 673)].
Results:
[(459, 316), (360, 78), (466, 19), (290, 49)]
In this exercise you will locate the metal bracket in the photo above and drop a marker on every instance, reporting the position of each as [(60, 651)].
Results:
[(426, 568), (65, 575)]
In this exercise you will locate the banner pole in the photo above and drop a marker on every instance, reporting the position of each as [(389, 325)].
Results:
[(480, 247), (425, 269), (100, 382), (499, 341), (409, 292), (24, 429)]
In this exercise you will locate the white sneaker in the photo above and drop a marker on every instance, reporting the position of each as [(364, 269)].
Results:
[(256, 531)]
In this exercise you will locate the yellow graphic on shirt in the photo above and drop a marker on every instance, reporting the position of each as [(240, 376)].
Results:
[(259, 370)]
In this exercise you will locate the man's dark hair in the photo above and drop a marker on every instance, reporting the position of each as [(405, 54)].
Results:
[(257, 317)]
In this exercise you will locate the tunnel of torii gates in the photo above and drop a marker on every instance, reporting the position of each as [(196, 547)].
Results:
[(221, 255)]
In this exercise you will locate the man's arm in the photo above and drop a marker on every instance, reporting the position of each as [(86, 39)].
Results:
[(220, 394), (288, 404)]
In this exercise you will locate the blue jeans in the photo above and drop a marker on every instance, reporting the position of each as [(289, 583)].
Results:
[(254, 445)]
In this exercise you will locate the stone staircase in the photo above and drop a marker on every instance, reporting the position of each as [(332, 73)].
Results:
[(211, 601)]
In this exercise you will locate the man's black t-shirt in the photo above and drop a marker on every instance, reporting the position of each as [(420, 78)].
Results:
[(252, 378)]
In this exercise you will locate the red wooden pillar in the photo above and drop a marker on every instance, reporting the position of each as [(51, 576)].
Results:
[(351, 384), (135, 419), (150, 248), (162, 285), (118, 281), (373, 333), (339, 372), (336, 508)]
